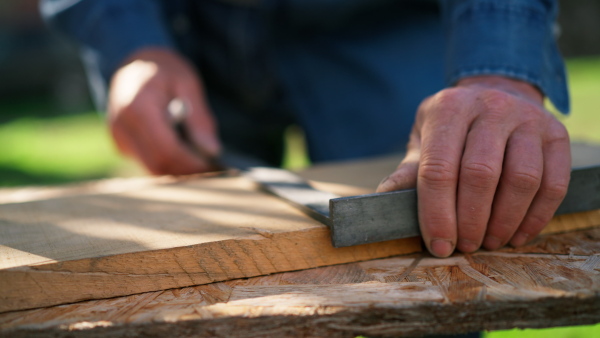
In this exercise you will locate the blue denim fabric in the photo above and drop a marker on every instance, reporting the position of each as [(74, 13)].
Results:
[(514, 38), (111, 28), (369, 70), (351, 72)]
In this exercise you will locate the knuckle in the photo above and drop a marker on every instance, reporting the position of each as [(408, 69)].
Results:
[(529, 127), (439, 223), (504, 224), (534, 223), (449, 100), (496, 100), (555, 191), (525, 180), (440, 219), (557, 132), (449, 95), (479, 175), (533, 112), (437, 173), (471, 230)]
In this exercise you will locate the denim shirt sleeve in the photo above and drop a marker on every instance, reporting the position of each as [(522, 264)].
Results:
[(108, 30), (513, 38)]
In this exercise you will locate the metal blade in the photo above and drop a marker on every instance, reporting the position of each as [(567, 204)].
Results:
[(392, 215), (294, 190), (584, 191), (374, 218), (381, 216)]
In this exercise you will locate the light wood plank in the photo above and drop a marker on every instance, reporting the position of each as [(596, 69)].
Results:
[(159, 236)]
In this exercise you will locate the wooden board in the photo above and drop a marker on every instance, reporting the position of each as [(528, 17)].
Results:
[(554, 281), (103, 240), (155, 236)]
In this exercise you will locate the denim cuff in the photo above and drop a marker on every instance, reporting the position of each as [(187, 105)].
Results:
[(110, 29), (511, 38)]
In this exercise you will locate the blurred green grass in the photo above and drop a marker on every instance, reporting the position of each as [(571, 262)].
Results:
[(40, 146), (589, 331), (583, 122), (55, 150)]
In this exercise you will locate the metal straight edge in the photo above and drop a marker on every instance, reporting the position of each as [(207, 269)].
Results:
[(374, 218), (392, 215), (385, 216), (294, 190)]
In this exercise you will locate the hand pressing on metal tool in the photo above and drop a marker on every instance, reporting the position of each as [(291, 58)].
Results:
[(140, 123), (490, 164)]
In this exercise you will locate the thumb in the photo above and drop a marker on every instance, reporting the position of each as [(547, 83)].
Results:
[(405, 175)]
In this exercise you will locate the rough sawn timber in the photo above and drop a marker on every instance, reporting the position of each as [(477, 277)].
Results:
[(152, 237), (554, 281)]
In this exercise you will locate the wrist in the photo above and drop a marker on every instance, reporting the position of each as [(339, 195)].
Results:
[(513, 86)]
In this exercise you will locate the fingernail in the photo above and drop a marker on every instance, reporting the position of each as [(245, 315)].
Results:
[(441, 247), (492, 243), (466, 245), (381, 186), (519, 239)]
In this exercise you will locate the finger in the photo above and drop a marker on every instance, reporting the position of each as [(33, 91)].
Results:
[(199, 122), (480, 170), (121, 140), (405, 175), (442, 142), (553, 188), (520, 181), (156, 143)]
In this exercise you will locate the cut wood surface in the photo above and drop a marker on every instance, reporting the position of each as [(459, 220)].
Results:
[(159, 236), (554, 281)]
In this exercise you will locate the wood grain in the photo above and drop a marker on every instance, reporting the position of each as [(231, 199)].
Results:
[(553, 281), (102, 240), (157, 236)]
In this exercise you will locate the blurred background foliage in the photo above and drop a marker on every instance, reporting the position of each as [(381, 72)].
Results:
[(50, 133)]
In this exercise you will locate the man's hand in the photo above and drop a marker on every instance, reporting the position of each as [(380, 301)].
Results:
[(140, 92), (490, 164)]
